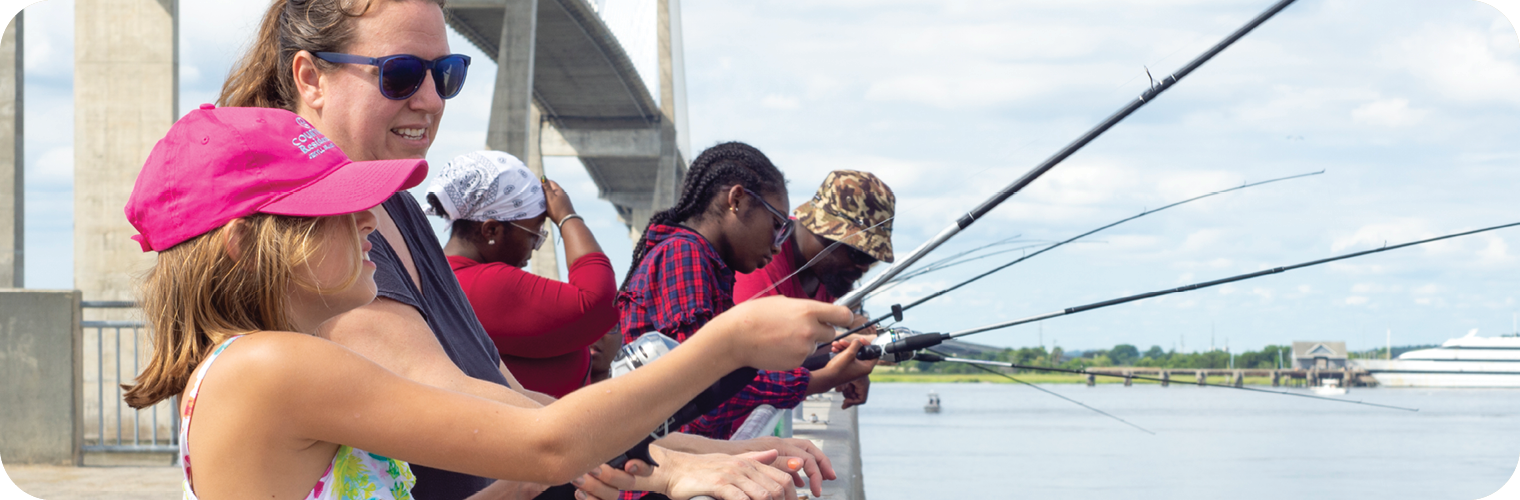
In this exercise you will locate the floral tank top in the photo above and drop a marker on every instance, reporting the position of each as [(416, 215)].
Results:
[(353, 474)]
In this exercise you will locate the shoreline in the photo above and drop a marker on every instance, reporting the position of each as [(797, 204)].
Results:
[(1036, 378)]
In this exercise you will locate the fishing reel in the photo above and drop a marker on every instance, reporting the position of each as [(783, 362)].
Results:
[(884, 338), (642, 351)]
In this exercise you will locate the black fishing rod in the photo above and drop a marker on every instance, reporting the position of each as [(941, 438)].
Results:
[(1047, 391), (853, 299), (973, 279), (933, 356), (901, 348)]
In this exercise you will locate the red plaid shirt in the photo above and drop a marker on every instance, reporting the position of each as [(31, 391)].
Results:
[(681, 284)]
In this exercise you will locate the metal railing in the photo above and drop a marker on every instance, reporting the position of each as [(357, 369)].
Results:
[(119, 353)]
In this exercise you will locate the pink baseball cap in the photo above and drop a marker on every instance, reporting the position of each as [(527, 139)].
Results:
[(216, 165)]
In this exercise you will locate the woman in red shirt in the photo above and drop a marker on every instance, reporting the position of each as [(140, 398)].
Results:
[(541, 327)]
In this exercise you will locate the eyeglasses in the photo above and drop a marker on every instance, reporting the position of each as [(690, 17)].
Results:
[(787, 224), (539, 236), (854, 254), (402, 74)]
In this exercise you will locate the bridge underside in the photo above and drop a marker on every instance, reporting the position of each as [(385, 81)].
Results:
[(586, 94)]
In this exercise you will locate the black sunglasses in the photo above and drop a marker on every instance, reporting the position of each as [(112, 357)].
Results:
[(855, 255), (787, 224), (402, 74)]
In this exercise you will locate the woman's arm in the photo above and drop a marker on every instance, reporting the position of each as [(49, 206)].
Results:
[(367, 407), (577, 235), (532, 316)]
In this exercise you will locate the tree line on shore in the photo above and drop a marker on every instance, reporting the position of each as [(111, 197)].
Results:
[(1269, 357)]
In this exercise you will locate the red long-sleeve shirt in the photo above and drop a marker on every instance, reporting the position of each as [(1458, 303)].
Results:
[(543, 327)]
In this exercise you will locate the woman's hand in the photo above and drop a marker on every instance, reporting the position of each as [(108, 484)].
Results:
[(775, 333), (798, 457), (558, 202), (727, 477)]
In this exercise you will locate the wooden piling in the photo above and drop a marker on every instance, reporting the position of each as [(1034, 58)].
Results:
[(1239, 379), (1128, 379), (1091, 380), (1276, 378), (1166, 378), (1202, 378)]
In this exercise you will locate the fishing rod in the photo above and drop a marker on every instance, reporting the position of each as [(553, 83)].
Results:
[(1052, 393), (901, 345), (853, 299), (973, 279), (932, 356)]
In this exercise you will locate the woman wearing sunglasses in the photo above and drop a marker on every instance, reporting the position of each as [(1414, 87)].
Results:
[(372, 77), (496, 211), (725, 222)]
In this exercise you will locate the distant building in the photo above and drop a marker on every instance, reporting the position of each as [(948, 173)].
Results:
[(1315, 355)]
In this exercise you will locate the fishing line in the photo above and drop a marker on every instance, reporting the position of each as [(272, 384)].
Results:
[(973, 279), (854, 298), (907, 344), (1207, 284), (937, 356), (1052, 393)]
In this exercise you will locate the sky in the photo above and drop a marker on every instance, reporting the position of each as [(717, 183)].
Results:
[(1407, 105)]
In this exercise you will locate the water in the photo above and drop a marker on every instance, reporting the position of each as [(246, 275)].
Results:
[(1005, 440)]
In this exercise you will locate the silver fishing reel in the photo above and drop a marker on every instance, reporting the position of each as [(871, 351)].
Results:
[(887, 336), (642, 351)]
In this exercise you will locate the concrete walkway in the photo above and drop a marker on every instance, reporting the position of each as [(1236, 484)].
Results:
[(50, 482)]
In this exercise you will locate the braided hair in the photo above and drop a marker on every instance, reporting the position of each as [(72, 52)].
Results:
[(714, 171)]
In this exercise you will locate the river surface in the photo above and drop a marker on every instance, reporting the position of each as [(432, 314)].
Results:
[(1012, 441)]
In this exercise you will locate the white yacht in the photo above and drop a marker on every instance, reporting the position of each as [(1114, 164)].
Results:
[(1469, 361)]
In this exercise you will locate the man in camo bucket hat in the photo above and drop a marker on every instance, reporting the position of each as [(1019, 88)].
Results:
[(855, 208)]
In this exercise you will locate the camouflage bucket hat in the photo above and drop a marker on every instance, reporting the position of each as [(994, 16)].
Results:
[(847, 204)]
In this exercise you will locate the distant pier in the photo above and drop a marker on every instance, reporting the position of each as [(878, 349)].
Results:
[(1346, 377)]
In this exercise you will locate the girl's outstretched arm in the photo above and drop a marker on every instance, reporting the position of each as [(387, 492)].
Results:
[(320, 391)]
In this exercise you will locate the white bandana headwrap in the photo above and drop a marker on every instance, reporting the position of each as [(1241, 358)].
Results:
[(488, 185)]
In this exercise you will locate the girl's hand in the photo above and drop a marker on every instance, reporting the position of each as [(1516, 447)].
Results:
[(775, 333), (558, 202), (606, 483)]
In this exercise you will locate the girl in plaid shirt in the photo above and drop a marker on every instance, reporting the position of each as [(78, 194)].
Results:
[(726, 221)]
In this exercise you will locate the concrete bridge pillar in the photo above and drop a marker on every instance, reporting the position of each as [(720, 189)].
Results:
[(12, 168), (515, 123), (126, 60)]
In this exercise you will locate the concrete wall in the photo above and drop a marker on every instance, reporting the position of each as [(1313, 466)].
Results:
[(40, 364), (12, 189)]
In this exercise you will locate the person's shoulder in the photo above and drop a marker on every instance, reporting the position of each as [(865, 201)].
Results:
[(275, 356)]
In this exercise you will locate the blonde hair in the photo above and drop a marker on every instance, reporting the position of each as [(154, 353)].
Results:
[(262, 78), (199, 294)]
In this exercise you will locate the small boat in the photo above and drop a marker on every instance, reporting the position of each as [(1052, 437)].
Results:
[(933, 406), (1329, 387)]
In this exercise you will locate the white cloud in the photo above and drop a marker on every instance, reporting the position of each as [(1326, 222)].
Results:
[(1356, 300), (1388, 113), (774, 101)]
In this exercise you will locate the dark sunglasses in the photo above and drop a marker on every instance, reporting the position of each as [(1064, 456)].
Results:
[(787, 224), (402, 74), (855, 255)]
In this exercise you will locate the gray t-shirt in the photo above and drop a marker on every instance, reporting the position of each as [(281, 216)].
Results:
[(448, 313)]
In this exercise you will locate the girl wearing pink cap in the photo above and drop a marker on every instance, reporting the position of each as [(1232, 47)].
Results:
[(260, 227)]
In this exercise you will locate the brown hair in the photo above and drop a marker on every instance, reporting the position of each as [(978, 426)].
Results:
[(198, 295), (263, 77)]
